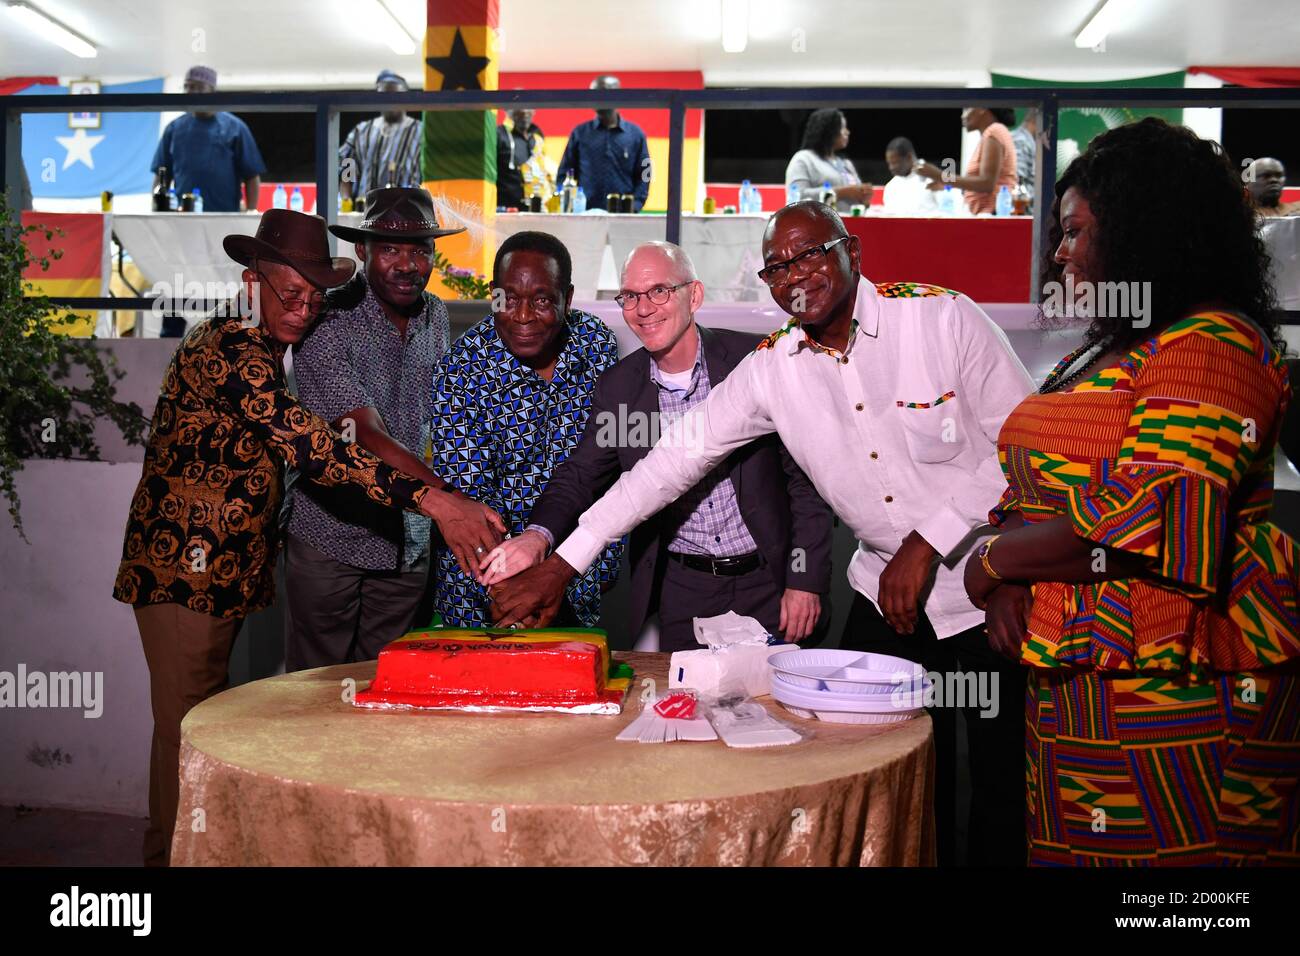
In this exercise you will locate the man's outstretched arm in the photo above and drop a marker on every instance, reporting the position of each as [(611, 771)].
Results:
[(734, 414)]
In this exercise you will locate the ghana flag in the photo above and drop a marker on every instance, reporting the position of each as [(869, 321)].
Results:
[(81, 268), (557, 124), (459, 151)]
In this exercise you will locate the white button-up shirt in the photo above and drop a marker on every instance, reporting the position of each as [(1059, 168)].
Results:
[(898, 434)]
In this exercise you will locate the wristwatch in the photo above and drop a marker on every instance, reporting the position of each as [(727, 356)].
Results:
[(983, 553)]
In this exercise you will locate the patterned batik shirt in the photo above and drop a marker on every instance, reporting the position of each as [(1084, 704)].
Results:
[(202, 531), (706, 520), (500, 432), (354, 358)]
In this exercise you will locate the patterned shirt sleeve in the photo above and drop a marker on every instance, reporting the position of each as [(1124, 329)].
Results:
[(245, 374), (1205, 411)]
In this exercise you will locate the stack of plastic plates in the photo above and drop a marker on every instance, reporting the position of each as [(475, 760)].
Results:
[(847, 687)]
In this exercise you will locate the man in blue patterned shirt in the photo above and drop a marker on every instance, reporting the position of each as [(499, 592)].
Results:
[(513, 395)]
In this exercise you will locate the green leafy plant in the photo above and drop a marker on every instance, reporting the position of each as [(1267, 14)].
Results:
[(53, 387), (463, 282)]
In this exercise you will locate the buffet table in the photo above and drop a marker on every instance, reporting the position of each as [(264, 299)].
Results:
[(285, 772), (986, 258)]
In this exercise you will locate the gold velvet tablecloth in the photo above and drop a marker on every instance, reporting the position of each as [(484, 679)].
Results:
[(284, 772)]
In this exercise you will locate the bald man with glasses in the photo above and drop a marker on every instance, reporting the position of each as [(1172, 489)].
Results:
[(751, 536)]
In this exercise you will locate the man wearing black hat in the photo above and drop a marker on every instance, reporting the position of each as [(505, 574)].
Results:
[(201, 539), (384, 151), (356, 571)]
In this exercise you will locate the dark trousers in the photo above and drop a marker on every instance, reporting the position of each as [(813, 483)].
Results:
[(188, 655), (996, 823), (337, 613), (685, 594)]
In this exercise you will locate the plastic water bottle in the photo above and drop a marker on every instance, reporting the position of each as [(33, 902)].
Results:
[(827, 194), (172, 202), (746, 202), (279, 198), (295, 201), (580, 201), (948, 201), (791, 194), (755, 200), (198, 200), (1002, 206)]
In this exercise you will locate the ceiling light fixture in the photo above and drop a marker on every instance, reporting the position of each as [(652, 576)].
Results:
[(1103, 19), (735, 25), (52, 30), (390, 29)]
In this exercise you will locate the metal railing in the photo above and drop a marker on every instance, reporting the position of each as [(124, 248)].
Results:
[(328, 104)]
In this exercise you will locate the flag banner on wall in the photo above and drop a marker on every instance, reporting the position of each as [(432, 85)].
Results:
[(81, 270), (1077, 126), (458, 159), (558, 124), (66, 163)]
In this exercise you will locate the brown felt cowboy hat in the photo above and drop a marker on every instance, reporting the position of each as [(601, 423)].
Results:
[(297, 240), (396, 212)]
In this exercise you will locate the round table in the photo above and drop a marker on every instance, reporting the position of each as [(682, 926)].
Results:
[(284, 771)]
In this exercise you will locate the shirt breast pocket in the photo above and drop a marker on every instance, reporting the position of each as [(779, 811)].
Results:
[(932, 427)]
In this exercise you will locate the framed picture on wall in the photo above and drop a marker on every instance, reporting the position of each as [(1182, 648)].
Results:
[(83, 120)]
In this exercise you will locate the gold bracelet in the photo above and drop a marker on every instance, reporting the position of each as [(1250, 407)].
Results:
[(984, 550)]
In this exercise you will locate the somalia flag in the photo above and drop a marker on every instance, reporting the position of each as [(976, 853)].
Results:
[(65, 163)]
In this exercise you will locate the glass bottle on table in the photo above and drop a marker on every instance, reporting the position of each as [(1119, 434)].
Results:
[(160, 191), (535, 200)]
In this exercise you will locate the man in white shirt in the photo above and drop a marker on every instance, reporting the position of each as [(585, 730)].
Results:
[(908, 193), (890, 399)]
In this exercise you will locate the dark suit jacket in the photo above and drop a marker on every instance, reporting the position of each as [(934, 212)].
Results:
[(780, 507)]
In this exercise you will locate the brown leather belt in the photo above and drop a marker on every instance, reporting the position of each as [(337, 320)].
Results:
[(729, 567)]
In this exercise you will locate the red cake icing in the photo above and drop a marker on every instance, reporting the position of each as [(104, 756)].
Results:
[(540, 670)]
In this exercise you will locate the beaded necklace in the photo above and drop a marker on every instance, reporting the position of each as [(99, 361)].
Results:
[(1057, 378)]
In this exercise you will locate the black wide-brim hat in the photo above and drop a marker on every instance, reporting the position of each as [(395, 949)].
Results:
[(396, 212), (296, 239)]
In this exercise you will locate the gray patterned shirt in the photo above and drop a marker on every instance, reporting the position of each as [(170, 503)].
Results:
[(354, 358), (707, 518)]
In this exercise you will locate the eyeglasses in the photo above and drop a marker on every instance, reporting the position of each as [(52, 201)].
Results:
[(658, 295), (807, 261), (503, 301), (295, 303)]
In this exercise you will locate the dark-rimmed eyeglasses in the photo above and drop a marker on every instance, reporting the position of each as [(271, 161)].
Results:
[(807, 260), (295, 303), (659, 295)]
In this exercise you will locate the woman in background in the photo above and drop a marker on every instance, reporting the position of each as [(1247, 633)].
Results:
[(991, 166), (1137, 574), (819, 162)]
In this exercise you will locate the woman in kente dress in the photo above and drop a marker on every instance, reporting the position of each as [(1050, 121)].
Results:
[(1136, 573)]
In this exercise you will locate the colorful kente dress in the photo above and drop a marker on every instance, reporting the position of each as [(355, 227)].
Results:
[(1163, 714)]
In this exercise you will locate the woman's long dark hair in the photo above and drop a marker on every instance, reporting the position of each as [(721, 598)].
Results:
[(821, 131), (1170, 210)]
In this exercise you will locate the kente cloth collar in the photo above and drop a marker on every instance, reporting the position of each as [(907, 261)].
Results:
[(866, 319)]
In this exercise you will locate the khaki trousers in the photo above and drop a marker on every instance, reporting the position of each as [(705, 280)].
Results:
[(189, 661)]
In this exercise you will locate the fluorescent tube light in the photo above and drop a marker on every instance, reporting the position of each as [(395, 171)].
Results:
[(52, 30)]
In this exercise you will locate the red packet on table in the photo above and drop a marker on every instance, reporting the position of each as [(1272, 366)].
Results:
[(679, 705)]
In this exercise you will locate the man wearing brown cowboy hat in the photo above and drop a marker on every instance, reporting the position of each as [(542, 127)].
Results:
[(200, 543), (355, 572)]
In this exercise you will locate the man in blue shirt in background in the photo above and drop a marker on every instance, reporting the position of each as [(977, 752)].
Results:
[(213, 152), (607, 155)]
